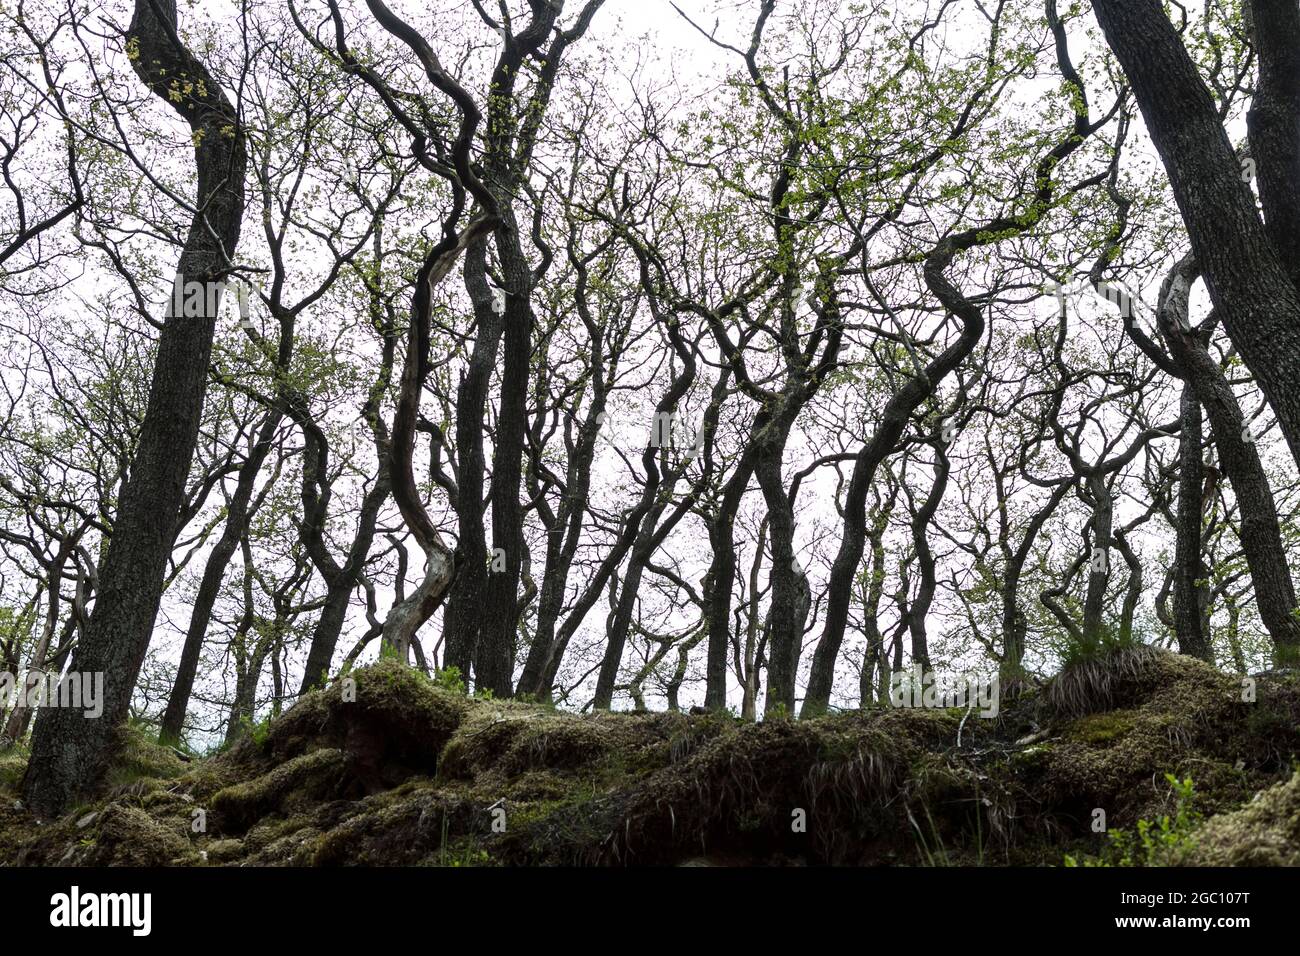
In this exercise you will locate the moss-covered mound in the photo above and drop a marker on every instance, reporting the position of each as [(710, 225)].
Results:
[(388, 768), (1265, 832)]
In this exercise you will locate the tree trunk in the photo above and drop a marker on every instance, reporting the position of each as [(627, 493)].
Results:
[(70, 752), (1244, 271), (892, 424), (1274, 125), (564, 537), (494, 657), (719, 582), (920, 607), (787, 583), (465, 600), (1189, 567), (1099, 560), (1014, 627), (340, 581), (1260, 532)]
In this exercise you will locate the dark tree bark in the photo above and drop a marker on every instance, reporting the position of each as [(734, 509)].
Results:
[(509, 151), (1245, 272), (1014, 626), (648, 540), (242, 707), (250, 653), (454, 164), (342, 578), (806, 367), (898, 410), (720, 578), (465, 600), (1095, 473), (1260, 533), (919, 609), (1133, 591), (494, 655), (409, 614), (788, 586), (484, 612), (873, 680), (1274, 125), (70, 752), (1189, 565), (289, 400), (1097, 490)]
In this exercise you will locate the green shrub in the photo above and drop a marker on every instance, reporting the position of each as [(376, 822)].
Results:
[(1087, 647), (1150, 843), (450, 679)]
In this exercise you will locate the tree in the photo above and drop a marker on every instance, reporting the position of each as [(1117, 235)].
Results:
[(70, 751), (1248, 272)]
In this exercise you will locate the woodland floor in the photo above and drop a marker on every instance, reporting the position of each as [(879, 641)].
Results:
[(409, 773)]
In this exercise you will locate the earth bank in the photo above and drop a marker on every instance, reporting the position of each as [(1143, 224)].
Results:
[(395, 770)]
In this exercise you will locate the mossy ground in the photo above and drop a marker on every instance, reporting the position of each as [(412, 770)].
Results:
[(405, 772)]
